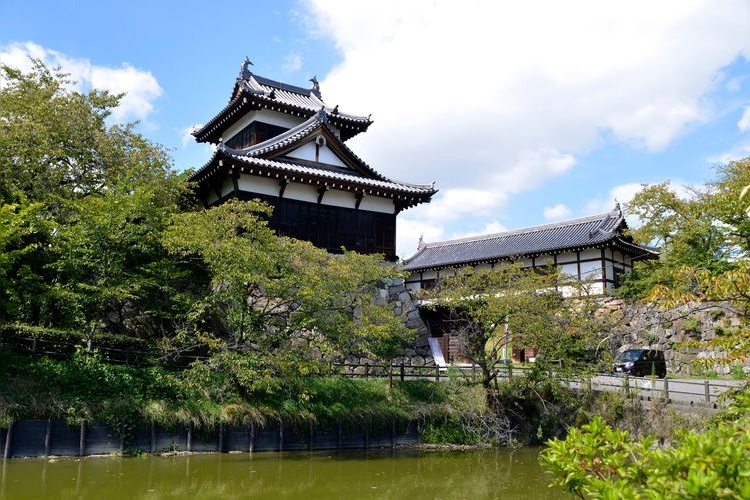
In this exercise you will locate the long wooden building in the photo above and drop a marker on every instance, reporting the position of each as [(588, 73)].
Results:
[(283, 145), (594, 249)]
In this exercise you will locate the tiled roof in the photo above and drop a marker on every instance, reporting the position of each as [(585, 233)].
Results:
[(262, 157), (256, 92), (586, 232)]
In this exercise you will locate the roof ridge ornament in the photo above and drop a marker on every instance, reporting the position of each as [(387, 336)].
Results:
[(245, 72), (316, 86)]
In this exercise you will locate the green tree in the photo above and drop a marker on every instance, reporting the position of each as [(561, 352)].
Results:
[(83, 203), (480, 303), (23, 234), (597, 461), (708, 230), (277, 307), (705, 245)]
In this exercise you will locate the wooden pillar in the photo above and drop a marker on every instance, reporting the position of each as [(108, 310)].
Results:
[(393, 433), (48, 438), (82, 440), (367, 433), (707, 390), (311, 431), (153, 436), (8, 440), (281, 435), (221, 438), (251, 447), (190, 437), (339, 436)]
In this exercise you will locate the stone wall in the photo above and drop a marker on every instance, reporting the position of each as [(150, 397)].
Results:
[(638, 325), (405, 307)]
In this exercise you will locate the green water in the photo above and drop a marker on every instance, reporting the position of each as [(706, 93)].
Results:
[(410, 474)]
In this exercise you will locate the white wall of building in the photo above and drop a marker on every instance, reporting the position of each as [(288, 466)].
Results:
[(375, 204)]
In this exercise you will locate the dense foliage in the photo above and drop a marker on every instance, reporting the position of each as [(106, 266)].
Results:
[(128, 397), (491, 310), (705, 244), (598, 461), (101, 242)]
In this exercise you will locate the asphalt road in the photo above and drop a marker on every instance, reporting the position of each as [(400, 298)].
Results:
[(685, 390)]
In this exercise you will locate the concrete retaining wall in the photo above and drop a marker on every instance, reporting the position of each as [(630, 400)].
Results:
[(39, 438)]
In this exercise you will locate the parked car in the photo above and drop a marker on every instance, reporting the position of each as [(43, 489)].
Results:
[(641, 363)]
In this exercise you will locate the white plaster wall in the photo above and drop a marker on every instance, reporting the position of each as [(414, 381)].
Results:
[(414, 287), (526, 262), (567, 257), (337, 198), (484, 266), (594, 288), (610, 271), (301, 192), (261, 185), (544, 260), (591, 253), (211, 198), (569, 269), (327, 156), (304, 152), (428, 275), (375, 204), (591, 270)]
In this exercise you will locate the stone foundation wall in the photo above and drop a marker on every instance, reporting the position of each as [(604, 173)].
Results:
[(404, 306), (637, 325)]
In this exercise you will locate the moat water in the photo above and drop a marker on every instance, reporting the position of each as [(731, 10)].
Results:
[(409, 474)]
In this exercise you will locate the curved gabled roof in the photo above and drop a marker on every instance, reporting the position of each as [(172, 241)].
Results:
[(253, 92), (268, 159), (577, 234)]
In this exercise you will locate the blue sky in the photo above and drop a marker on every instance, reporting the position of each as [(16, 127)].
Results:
[(522, 112)]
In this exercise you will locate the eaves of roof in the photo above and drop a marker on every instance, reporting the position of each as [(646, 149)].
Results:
[(268, 158), (579, 234), (257, 93)]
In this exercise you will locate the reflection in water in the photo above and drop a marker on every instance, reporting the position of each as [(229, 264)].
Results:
[(411, 474)]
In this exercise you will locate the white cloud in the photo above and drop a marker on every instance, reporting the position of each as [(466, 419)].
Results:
[(491, 227), (557, 212), (621, 194), (186, 134), (432, 219), (739, 151), (140, 87), (532, 169), (292, 62), (744, 123), (409, 231), (471, 94)]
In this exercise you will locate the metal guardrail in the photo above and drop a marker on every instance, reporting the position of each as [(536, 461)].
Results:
[(707, 392)]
